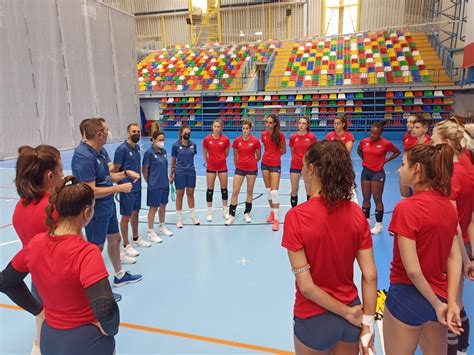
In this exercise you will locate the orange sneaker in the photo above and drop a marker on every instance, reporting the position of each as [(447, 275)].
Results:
[(271, 217), (276, 225)]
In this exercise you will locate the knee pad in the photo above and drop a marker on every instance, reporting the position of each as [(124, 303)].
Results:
[(269, 194), (275, 197), (209, 194), (225, 194)]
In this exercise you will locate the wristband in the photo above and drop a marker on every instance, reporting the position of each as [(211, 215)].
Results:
[(368, 321), (303, 269)]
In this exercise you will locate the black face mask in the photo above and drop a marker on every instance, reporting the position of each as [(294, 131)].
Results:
[(135, 138), (186, 136)]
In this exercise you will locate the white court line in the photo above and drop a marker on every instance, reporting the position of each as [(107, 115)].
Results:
[(10, 242)]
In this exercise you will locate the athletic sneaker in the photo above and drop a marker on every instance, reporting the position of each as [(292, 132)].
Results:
[(179, 223), (276, 225), (368, 221), (225, 212), (154, 237), (128, 278), (131, 251), (195, 220), (209, 217), (165, 231), (125, 259), (141, 243), (229, 220), (271, 217), (247, 218), (377, 228), (117, 297)]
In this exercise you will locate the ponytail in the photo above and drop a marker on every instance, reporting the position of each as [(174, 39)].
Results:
[(436, 166), (276, 129), (68, 200)]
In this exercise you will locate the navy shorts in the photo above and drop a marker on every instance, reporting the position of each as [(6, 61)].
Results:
[(157, 197), (130, 202), (295, 171), (86, 339), (272, 169), (245, 172), (409, 306), (100, 226), (370, 175), (468, 249), (324, 330), (216, 171), (182, 181)]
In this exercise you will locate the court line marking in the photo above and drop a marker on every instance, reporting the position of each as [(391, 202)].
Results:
[(6, 225), (187, 336)]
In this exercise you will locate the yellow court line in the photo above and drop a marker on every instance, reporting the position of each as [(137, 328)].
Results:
[(188, 336)]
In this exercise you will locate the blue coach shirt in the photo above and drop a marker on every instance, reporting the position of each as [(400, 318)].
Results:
[(157, 163), (129, 158), (88, 165), (184, 157)]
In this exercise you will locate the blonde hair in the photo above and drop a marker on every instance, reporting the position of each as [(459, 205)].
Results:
[(455, 133)]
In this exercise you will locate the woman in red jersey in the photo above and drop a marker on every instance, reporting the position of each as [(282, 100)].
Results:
[(275, 146), (328, 315), (81, 315), (38, 171), (247, 152), (420, 130), (373, 152), (408, 141), (426, 265), (215, 150), (299, 143), (462, 196), (340, 133)]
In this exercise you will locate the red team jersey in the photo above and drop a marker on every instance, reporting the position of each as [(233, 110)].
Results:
[(462, 193), (216, 157), (300, 145), (331, 242), (246, 149), (272, 154), (375, 152), (410, 141), (31, 219), (429, 219), (61, 268), (344, 137)]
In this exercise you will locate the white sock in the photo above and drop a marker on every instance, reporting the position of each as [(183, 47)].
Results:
[(275, 212), (179, 215), (150, 230), (209, 210), (193, 212), (120, 274)]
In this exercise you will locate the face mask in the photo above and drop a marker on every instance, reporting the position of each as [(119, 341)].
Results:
[(186, 136), (135, 138), (160, 145)]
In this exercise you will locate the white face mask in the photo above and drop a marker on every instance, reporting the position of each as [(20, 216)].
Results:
[(160, 145)]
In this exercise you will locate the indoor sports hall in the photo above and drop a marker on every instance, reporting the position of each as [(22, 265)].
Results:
[(162, 75)]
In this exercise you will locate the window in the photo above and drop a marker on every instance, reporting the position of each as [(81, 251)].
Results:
[(340, 16)]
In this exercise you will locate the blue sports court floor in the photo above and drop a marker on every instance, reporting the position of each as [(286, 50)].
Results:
[(210, 289)]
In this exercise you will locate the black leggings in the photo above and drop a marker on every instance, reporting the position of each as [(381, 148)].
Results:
[(86, 339)]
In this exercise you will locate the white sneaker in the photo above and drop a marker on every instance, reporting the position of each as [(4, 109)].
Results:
[(154, 237), (368, 221), (179, 223), (229, 220), (125, 259), (131, 251), (247, 218), (195, 220), (35, 349), (225, 212), (141, 243), (209, 217), (165, 231), (377, 228)]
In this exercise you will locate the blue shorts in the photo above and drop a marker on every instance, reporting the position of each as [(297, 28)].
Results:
[(409, 306), (157, 197), (370, 175), (216, 171), (272, 169), (182, 181), (468, 249), (100, 226), (245, 172), (324, 330), (130, 202), (295, 171)]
